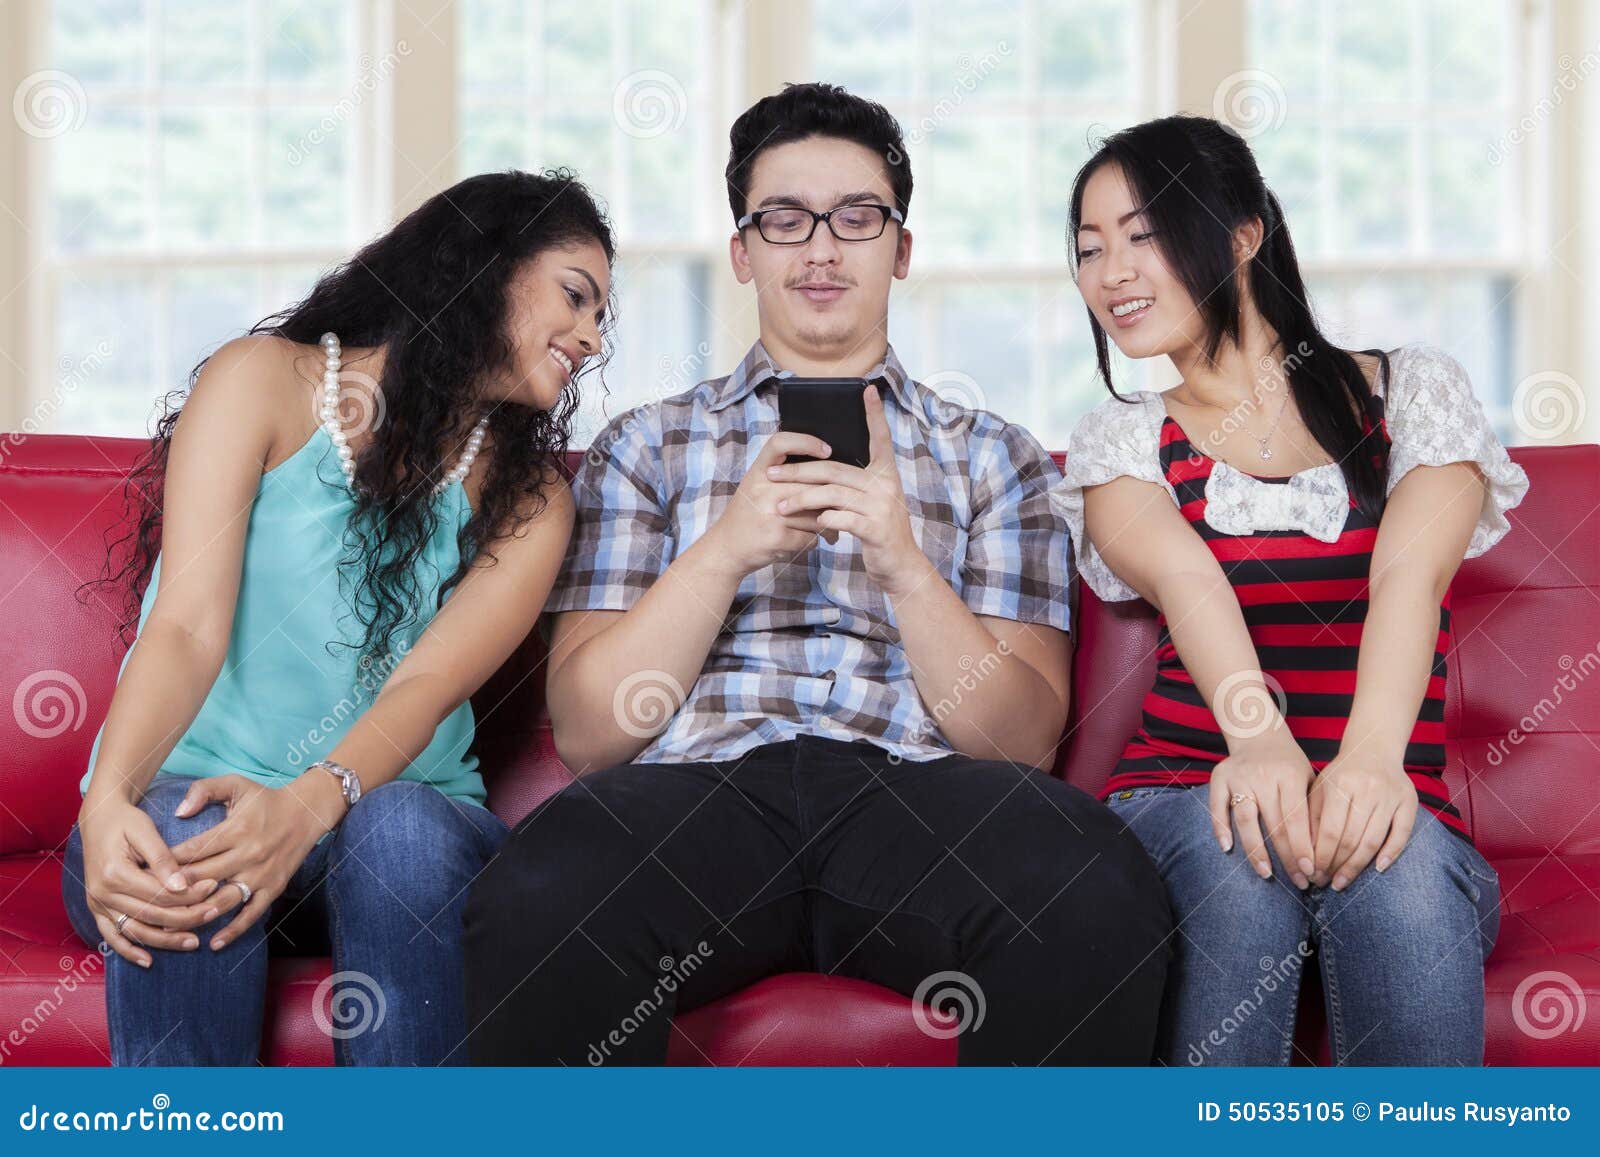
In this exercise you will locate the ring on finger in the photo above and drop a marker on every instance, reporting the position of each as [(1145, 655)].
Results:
[(120, 921), (1240, 797), (244, 890)]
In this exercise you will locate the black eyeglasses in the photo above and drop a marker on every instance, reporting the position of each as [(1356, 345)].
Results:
[(794, 226)]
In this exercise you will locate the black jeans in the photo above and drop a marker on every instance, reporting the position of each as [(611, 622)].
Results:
[(816, 855)]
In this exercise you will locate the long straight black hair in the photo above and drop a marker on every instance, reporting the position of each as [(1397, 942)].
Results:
[(1196, 181)]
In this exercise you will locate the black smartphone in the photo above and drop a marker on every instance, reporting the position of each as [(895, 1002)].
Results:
[(830, 409)]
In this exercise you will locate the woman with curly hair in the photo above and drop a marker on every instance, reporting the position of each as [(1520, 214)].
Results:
[(341, 531)]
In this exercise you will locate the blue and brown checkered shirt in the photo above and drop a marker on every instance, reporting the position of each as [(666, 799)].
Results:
[(810, 646)]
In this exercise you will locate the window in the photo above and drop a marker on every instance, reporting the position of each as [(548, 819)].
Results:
[(625, 99), (1386, 130), (1000, 104), (202, 164)]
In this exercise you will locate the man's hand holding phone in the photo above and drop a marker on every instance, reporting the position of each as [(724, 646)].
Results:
[(753, 531), (868, 502)]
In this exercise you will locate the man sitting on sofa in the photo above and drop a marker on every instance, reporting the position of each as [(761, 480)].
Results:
[(808, 702)]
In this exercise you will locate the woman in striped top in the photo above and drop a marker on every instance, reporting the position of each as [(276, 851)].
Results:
[(1283, 498)]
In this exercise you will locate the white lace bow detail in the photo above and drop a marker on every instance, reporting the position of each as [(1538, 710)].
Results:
[(1314, 501)]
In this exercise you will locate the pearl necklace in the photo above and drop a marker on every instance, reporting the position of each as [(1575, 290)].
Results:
[(329, 414)]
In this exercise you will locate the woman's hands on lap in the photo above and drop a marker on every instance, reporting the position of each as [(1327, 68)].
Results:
[(1362, 805), (129, 870), (1273, 775), (265, 838)]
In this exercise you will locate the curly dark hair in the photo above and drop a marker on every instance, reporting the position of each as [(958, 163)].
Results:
[(433, 293)]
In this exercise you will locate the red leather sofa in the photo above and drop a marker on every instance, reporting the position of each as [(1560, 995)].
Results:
[(1524, 750)]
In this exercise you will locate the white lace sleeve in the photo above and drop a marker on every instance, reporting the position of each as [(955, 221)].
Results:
[(1435, 419), (1115, 438)]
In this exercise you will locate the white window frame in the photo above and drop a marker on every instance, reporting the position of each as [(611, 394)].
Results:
[(374, 196), (413, 141)]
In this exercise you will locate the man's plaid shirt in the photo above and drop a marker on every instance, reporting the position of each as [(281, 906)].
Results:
[(809, 646)]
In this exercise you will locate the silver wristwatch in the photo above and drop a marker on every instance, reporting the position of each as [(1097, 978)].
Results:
[(348, 783)]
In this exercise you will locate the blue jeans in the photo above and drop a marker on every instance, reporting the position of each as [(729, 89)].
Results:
[(387, 887), (1401, 952)]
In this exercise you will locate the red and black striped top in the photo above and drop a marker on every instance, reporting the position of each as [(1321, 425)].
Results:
[(1304, 602)]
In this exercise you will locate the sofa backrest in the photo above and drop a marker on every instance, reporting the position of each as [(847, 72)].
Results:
[(1523, 714)]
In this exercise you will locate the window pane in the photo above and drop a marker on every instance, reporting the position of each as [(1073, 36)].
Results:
[(580, 141), (1374, 175), (204, 154), (985, 350), (1290, 156), (204, 43), (1287, 42), (662, 337), (303, 191), (495, 138), (97, 194), (247, 125), (307, 43), (1469, 315), (974, 59), (1373, 53), (1467, 51), (1064, 144), (618, 94), (1467, 209), (575, 36), (973, 201), (1085, 48), (1000, 104), (99, 41), (494, 37), (867, 46), (110, 395), (1395, 111)]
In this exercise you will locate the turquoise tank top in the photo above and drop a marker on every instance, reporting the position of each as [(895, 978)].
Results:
[(284, 699)]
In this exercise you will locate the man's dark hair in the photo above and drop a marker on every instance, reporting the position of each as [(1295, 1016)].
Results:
[(815, 110)]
